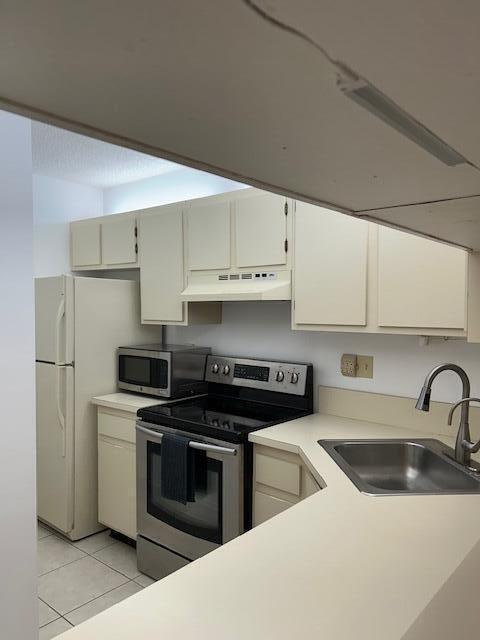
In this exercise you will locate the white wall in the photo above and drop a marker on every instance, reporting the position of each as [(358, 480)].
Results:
[(55, 203), (181, 184), (18, 617), (262, 329)]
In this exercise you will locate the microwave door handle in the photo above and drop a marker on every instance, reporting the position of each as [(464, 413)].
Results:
[(201, 446)]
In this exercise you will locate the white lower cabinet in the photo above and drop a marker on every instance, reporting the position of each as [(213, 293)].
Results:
[(281, 479), (117, 471)]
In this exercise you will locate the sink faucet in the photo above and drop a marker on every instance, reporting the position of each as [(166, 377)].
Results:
[(463, 445), (467, 446)]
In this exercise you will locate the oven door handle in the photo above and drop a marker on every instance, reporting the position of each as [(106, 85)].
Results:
[(202, 446)]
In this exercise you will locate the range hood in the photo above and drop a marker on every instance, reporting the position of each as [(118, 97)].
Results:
[(258, 285)]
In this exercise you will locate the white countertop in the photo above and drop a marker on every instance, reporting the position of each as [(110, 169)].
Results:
[(339, 565), (123, 401)]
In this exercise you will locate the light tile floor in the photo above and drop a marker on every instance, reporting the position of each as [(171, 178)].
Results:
[(77, 580)]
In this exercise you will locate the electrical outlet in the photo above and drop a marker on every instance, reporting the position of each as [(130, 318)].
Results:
[(348, 365), (364, 366)]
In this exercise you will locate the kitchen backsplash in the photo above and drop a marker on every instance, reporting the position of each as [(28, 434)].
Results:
[(262, 329)]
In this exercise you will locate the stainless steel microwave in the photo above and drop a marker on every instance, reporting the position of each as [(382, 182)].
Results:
[(163, 370)]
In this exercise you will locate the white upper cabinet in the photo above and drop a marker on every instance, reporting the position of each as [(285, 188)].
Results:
[(330, 268), (260, 230), (241, 230), (348, 275), (161, 264), (119, 240), (421, 283), (104, 243), (208, 234), (85, 243)]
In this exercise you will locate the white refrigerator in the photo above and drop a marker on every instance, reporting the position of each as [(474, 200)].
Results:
[(79, 323)]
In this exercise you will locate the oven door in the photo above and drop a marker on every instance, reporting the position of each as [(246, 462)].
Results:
[(144, 371), (216, 515)]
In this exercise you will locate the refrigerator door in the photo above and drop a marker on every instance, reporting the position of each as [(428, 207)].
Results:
[(54, 321), (55, 444)]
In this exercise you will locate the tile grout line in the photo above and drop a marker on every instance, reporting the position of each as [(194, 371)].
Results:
[(91, 555), (109, 566), (116, 570), (85, 554), (62, 615), (49, 535), (101, 548), (72, 543), (97, 598), (61, 566), (67, 621), (40, 626)]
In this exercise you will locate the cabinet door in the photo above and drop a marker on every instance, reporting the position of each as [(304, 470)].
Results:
[(161, 264), (117, 486), (85, 244), (266, 506), (208, 235), (277, 473), (421, 283), (330, 275), (260, 230), (118, 240)]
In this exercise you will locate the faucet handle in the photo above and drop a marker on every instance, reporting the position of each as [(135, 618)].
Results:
[(472, 447), (457, 404)]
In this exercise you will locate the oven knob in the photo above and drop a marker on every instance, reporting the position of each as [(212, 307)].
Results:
[(294, 378), (226, 370), (226, 425), (280, 376), (215, 367), (215, 422)]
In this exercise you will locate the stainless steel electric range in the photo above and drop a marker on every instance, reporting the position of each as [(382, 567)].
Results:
[(244, 395)]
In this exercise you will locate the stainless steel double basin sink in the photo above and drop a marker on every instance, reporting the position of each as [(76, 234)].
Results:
[(402, 467)]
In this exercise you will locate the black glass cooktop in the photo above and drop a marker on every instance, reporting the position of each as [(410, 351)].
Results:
[(230, 419)]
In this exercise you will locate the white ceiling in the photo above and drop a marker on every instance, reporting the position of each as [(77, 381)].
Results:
[(70, 156), (248, 89)]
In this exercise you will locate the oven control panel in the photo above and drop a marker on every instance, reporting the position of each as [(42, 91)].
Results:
[(283, 377)]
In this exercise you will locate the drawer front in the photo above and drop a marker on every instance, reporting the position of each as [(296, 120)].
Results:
[(116, 426), (280, 474), (265, 507)]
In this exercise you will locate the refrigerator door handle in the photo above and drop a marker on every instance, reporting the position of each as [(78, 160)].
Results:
[(58, 320), (61, 417)]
